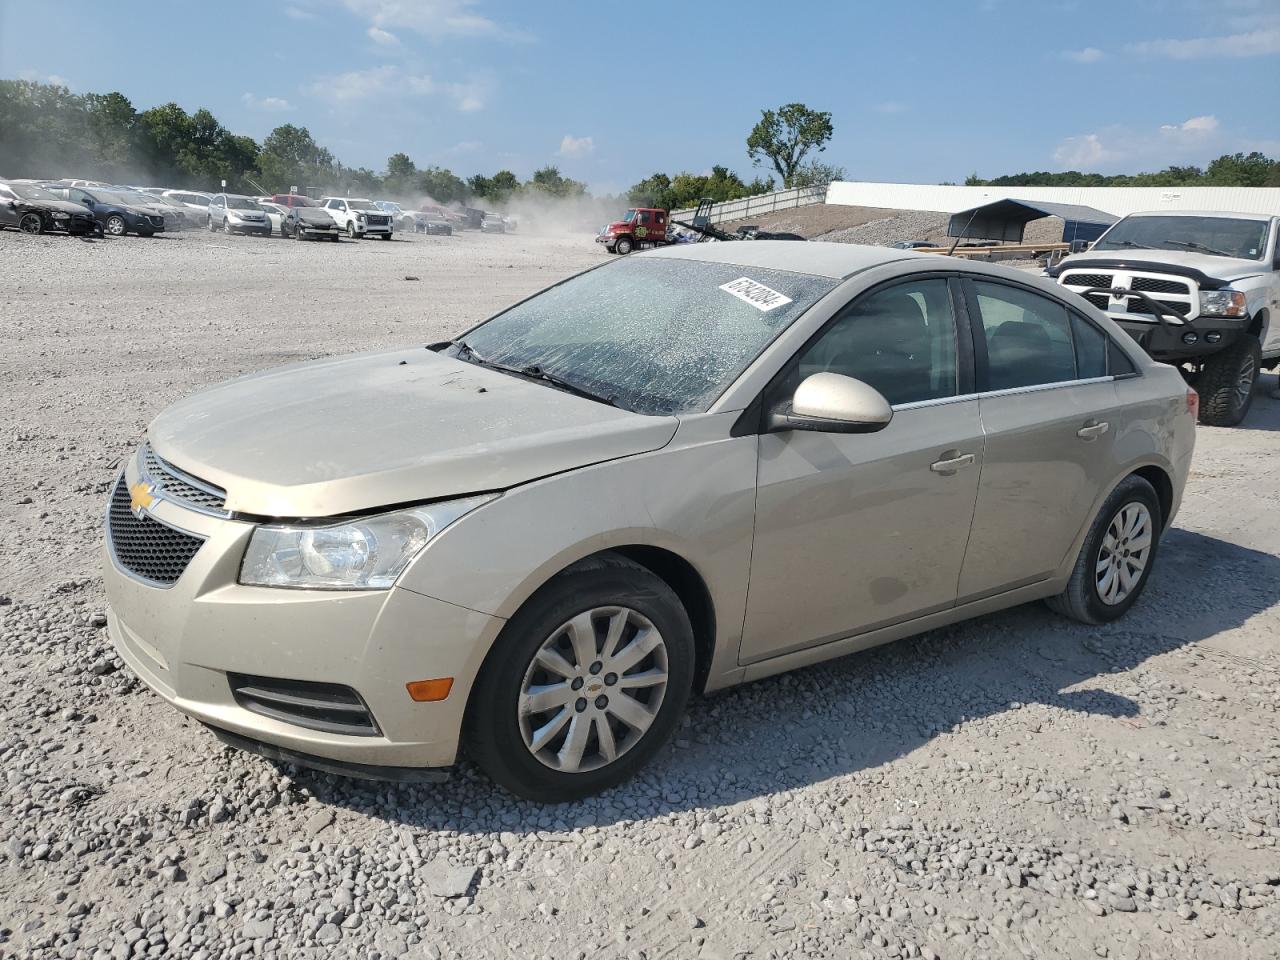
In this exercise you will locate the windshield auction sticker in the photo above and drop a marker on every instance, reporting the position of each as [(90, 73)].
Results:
[(756, 294)]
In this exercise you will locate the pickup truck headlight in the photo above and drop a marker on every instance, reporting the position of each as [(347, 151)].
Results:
[(367, 553), (1223, 303)]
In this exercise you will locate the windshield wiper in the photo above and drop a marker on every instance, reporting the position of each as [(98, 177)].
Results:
[(1192, 245), (531, 372), (1127, 243)]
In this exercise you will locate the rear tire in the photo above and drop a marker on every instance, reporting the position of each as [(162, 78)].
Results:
[(1227, 381), (514, 747), (1107, 580)]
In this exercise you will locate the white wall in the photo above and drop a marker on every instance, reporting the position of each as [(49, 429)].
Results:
[(1117, 200)]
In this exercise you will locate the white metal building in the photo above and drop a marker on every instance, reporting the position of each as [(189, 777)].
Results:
[(1117, 200)]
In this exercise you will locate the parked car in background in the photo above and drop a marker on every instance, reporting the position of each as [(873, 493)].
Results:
[(117, 213), (723, 461), (194, 201), (430, 224), (33, 209), (294, 200), (442, 215), (275, 214), (176, 216), (234, 213), (401, 218), (309, 223), (913, 244), (493, 223), (359, 217)]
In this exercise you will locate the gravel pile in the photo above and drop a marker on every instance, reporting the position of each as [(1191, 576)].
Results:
[(1017, 786)]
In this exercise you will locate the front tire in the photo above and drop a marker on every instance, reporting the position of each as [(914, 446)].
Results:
[(351, 230), (623, 246), (1117, 557), (585, 683), (31, 223), (1227, 381), (116, 226)]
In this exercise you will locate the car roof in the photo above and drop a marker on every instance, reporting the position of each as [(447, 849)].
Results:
[(816, 257)]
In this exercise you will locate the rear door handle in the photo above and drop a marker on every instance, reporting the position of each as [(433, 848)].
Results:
[(1092, 430), (953, 460)]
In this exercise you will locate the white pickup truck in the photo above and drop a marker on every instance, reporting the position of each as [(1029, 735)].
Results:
[(358, 216), (1197, 290)]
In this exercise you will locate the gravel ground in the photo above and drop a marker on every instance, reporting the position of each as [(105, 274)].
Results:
[(1016, 786)]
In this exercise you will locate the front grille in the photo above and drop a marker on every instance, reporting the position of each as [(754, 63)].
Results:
[(143, 545), (1157, 285), (378, 221), (1088, 280), (1137, 305), (174, 484), (1099, 300), (328, 707)]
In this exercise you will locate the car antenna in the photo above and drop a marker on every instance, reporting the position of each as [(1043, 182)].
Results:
[(967, 225)]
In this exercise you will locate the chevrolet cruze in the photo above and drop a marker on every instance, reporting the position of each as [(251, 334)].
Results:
[(674, 473)]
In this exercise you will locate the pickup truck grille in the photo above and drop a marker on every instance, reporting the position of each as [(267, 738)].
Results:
[(376, 221), (1179, 295), (1160, 285)]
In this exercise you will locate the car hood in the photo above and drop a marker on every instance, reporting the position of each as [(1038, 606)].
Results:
[(313, 215), (67, 206), (1221, 268), (348, 434)]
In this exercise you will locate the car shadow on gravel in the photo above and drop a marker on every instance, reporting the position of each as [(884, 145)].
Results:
[(1264, 413), (872, 708)]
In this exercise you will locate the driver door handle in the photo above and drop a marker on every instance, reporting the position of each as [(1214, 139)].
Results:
[(1092, 430), (955, 460)]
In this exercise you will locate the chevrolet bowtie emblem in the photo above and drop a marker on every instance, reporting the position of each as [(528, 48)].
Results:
[(141, 497)]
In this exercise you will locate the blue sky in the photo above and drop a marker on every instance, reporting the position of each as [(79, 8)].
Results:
[(610, 92)]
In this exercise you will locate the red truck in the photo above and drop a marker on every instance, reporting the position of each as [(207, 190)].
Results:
[(641, 227)]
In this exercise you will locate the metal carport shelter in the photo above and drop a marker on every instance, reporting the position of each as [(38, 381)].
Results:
[(1006, 220)]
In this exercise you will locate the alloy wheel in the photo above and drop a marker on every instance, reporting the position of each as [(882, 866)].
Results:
[(593, 689), (115, 226), (31, 223), (1124, 553)]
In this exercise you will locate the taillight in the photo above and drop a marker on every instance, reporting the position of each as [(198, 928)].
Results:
[(1193, 403)]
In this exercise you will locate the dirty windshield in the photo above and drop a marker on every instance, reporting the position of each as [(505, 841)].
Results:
[(1216, 236), (652, 335)]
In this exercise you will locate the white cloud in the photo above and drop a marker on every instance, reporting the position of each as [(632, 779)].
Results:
[(1087, 55), (383, 38), (432, 18), (1256, 43), (269, 104), (355, 86), (35, 76), (1195, 140), (297, 13), (1081, 153), (572, 146), (1205, 124)]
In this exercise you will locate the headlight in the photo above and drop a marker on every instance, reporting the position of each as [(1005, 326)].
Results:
[(362, 554), (61, 215), (1223, 303)]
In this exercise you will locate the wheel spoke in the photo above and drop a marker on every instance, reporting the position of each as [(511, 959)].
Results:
[(648, 678), (604, 734), (548, 731), (629, 711), (550, 660), (570, 755), (641, 645), (582, 635), (1104, 561), (1105, 584), (1140, 544), (540, 699), (617, 623)]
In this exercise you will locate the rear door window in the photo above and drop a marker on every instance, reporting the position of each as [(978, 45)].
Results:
[(1028, 337)]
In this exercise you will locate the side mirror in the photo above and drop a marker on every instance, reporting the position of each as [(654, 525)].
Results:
[(832, 403), (1079, 246)]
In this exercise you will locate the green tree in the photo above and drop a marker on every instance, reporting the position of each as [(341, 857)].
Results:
[(814, 173), (653, 191), (291, 157), (441, 185), (784, 137), (401, 174), (550, 181)]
